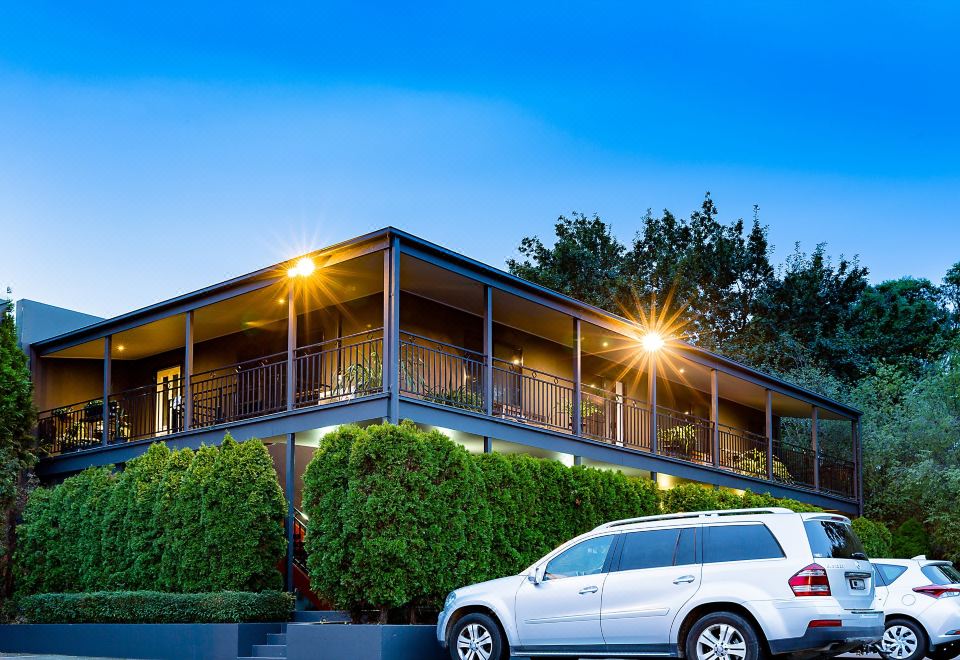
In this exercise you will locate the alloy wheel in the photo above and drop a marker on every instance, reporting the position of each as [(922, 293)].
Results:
[(474, 642), (899, 642), (721, 641)]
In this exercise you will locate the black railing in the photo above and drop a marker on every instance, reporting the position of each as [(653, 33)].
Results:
[(439, 372), (71, 428), (239, 391), (299, 540), (339, 369), (743, 451), (531, 396), (147, 412), (837, 475), (796, 463), (685, 436)]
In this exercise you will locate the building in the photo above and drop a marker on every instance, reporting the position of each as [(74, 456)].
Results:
[(388, 326)]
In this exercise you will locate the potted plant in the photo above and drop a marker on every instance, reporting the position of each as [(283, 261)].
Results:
[(458, 397), (754, 463), (681, 441), (93, 410)]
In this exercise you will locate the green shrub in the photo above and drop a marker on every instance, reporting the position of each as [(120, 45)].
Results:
[(910, 539), (156, 607), (877, 539), (171, 521)]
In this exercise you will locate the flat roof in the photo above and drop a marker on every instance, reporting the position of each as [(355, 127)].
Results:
[(378, 240)]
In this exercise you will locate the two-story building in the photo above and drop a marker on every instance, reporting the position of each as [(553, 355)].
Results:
[(388, 326)]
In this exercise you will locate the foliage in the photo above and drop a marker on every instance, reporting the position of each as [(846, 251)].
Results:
[(910, 539), (754, 462), (682, 438), (697, 497), (877, 539), (156, 607), (459, 397), (17, 446), (171, 521)]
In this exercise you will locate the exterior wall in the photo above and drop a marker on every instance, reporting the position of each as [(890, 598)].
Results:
[(434, 320), (742, 417), (63, 381)]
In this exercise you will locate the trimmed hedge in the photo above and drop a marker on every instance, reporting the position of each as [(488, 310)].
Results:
[(170, 521), (877, 539), (156, 607), (697, 497)]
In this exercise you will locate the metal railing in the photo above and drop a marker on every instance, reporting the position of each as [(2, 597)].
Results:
[(742, 451), (531, 396), (71, 428), (614, 418), (684, 436), (239, 391), (299, 540), (796, 463), (837, 475), (147, 412), (439, 372), (339, 369)]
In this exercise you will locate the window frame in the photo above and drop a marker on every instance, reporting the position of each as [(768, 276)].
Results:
[(883, 577)]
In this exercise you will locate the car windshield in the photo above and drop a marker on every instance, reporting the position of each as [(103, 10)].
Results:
[(941, 573), (831, 539)]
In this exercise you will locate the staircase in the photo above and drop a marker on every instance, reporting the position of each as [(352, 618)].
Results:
[(274, 647)]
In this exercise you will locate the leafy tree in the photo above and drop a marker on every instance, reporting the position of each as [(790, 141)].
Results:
[(910, 539), (877, 539), (17, 446)]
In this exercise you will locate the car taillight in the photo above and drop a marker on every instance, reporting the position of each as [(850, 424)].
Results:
[(936, 591), (825, 623), (810, 581)]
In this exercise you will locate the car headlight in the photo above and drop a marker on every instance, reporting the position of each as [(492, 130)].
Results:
[(451, 597)]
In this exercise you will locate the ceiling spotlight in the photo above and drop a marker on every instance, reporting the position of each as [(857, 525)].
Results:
[(652, 342), (302, 268)]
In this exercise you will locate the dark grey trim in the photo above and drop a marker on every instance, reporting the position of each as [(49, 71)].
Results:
[(599, 650)]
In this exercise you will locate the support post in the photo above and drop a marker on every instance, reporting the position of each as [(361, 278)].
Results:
[(859, 469), (487, 444), (393, 334), (815, 445), (577, 460), (715, 415), (291, 345), (385, 349), (652, 395), (488, 349), (768, 425), (187, 392), (577, 380), (291, 511), (618, 390), (107, 373)]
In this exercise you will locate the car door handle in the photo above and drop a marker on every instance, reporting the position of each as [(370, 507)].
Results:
[(588, 590), (684, 579)]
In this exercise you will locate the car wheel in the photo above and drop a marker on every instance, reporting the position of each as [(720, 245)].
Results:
[(476, 637), (723, 636), (903, 640)]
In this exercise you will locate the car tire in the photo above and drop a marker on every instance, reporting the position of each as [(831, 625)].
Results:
[(737, 635), (476, 637), (903, 640)]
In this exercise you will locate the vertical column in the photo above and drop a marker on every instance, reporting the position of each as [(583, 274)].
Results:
[(487, 444), (715, 415), (618, 390), (488, 349), (768, 424), (107, 372), (393, 334), (291, 345), (187, 393), (578, 460), (577, 380), (385, 349), (859, 468), (652, 395), (291, 511), (815, 445)]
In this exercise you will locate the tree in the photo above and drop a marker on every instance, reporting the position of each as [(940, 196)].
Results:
[(17, 444)]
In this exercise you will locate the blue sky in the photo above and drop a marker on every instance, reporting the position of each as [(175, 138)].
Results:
[(147, 150)]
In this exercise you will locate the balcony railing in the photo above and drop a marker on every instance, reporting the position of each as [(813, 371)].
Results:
[(441, 373)]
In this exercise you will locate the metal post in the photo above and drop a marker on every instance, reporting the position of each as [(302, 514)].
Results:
[(859, 468), (815, 445), (577, 384), (393, 334), (652, 395), (291, 345), (488, 349), (487, 444), (769, 428), (107, 372), (577, 460), (187, 393), (715, 414), (385, 359), (291, 511)]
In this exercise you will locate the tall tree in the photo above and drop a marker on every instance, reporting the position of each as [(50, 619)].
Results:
[(17, 449)]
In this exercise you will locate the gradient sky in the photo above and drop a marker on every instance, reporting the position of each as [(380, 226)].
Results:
[(148, 149)]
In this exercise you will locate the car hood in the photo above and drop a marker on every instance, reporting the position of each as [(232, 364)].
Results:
[(505, 584)]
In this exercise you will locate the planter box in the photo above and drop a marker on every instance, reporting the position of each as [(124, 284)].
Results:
[(213, 641), (307, 641)]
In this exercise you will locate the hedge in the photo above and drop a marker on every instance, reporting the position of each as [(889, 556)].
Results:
[(697, 497), (877, 539), (156, 607), (178, 521)]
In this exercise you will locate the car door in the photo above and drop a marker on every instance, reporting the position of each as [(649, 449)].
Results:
[(656, 573), (562, 610)]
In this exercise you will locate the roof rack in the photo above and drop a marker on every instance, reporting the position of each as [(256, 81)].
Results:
[(695, 514)]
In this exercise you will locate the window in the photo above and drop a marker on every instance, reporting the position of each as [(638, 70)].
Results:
[(658, 548), (585, 558), (739, 543), (687, 547), (889, 573), (941, 574), (833, 540)]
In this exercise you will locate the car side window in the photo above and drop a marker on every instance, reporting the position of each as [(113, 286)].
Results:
[(739, 543), (889, 572), (650, 549), (585, 558)]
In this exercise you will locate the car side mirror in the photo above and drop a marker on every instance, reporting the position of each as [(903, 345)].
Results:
[(537, 575)]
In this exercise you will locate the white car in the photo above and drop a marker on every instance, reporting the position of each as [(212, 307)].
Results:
[(921, 600), (714, 585)]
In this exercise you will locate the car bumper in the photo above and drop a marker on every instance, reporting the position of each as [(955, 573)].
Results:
[(442, 619), (838, 639)]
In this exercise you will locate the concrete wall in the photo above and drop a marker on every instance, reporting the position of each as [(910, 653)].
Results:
[(367, 642)]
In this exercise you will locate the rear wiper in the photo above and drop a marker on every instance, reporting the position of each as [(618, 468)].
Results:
[(858, 555)]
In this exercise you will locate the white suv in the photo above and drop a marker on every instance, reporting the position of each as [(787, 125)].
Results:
[(715, 585), (921, 600)]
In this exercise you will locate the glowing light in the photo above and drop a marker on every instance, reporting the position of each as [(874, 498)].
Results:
[(121, 348), (516, 360), (652, 342), (605, 344), (682, 370), (303, 268)]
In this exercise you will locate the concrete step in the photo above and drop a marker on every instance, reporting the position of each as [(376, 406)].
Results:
[(270, 650), (277, 638)]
